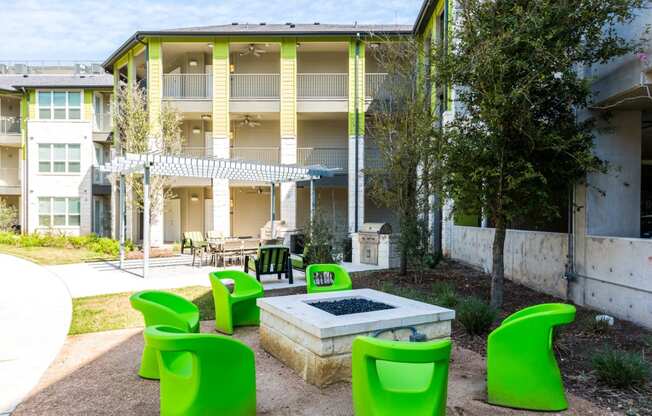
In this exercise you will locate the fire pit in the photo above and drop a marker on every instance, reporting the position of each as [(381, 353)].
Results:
[(312, 334)]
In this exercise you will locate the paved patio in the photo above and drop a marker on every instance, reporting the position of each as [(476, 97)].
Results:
[(88, 279)]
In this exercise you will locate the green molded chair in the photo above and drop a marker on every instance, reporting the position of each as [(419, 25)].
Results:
[(399, 378), (270, 260), (203, 374), (237, 308), (163, 308), (341, 279), (522, 371)]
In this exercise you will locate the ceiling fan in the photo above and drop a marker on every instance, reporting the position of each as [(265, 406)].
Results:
[(248, 121), (252, 49)]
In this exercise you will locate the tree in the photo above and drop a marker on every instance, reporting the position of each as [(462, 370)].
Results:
[(135, 135), (400, 125), (8, 216), (519, 142)]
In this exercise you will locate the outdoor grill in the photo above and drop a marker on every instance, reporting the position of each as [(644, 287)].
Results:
[(369, 239)]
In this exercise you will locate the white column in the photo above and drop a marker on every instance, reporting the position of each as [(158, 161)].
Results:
[(221, 191), (289, 189), (447, 228), (156, 226), (352, 189)]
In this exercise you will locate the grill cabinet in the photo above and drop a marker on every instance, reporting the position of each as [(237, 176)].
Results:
[(369, 238)]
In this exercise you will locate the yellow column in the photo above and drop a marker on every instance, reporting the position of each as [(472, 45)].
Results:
[(154, 82), (289, 127)]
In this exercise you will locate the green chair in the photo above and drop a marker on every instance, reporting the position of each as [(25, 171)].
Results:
[(237, 308), (341, 279), (203, 374), (163, 308), (399, 378), (521, 368), (270, 260)]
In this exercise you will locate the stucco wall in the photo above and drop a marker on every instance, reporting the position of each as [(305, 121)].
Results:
[(322, 62), (323, 133)]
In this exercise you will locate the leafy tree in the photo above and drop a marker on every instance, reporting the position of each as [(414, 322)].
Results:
[(518, 142), (135, 135), (400, 126), (8, 215)]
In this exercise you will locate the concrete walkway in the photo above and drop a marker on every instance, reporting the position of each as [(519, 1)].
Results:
[(35, 313), (90, 279)]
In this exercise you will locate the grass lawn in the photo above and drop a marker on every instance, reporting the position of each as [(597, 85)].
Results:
[(106, 312), (52, 255)]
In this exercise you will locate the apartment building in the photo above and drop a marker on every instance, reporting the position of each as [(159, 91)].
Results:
[(55, 129), (276, 94)]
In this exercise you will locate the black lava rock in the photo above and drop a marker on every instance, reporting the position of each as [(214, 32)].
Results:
[(350, 306)]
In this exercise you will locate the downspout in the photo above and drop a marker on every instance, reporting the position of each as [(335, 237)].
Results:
[(357, 127)]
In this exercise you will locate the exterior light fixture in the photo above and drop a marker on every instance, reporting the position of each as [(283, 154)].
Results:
[(231, 68), (192, 62), (194, 197), (210, 45), (196, 130)]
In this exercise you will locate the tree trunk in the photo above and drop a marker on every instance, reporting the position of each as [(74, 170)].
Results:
[(498, 263), (403, 263)]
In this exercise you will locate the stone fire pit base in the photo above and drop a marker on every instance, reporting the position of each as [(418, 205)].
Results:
[(317, 345)]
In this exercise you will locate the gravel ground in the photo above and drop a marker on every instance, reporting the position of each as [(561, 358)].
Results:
[(96, 374)]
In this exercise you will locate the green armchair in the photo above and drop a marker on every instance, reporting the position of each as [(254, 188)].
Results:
[(203, 374), (341, 279), (270, 260), (237, 308), (399, 378), (522, 371), (163, 308)]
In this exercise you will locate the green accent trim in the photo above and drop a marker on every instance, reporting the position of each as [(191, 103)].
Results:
[(360, 87), (131, 68), (88, 105), (289, 48)]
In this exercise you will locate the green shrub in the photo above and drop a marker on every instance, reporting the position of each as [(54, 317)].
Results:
[(105, 246), (30, 240), (475, 315), (620, 369), (9, 238), (92, 242), (444, 294)]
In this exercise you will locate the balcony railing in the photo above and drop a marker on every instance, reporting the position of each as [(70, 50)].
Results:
[(374, 83), (99, 177), (102, 122), (198, 152), (187, 86), (322, 86), (9, 125), (9, 177), (255, 86), (269, 155), (333, 158)]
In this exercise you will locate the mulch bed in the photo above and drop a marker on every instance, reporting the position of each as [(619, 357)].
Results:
[(574, 344)]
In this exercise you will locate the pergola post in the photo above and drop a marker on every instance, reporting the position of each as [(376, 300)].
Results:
[(273, 208), (123, 218), (313, 201), (146, 220)]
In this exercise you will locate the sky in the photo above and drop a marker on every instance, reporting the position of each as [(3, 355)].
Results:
[(91, 30)]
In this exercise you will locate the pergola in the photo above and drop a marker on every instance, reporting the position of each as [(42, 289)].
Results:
[(212, 168)]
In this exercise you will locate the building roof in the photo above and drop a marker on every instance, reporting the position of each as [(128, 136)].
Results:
[(264, 29), (14, 83), (427, 9)]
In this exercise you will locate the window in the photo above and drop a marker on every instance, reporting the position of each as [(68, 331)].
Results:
[(58, 212), (59, 158), (59, 105)]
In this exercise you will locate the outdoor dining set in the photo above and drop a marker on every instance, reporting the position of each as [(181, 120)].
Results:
[(220, 250)]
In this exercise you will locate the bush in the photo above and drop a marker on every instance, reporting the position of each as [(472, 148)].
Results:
[(92, 242), (8, 215), (444, 294), (620, 369), (475, 316)]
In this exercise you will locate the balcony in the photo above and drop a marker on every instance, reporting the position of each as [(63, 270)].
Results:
[(102, 122), (373, 84), (267, 155), (322, 86), (10, 130), (187, 86), (9, 181), (255, 86), (196, 152), (333, 158)]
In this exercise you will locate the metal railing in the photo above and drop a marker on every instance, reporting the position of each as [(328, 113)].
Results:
[(199, 152), (259, 86), (333, 158), (99, 177), (9, 125), (374, 83), (188, 86), (103, 122), (51, 67), (269, 155), (9, 177), (322, 86)]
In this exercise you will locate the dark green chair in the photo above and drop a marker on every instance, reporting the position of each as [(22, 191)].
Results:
[(522, 371), (270, 260), (236, 308), (203, 374), (399, 378), (163, 308)]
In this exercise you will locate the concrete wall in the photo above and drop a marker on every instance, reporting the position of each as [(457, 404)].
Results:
[(617, 212), (534, 259)]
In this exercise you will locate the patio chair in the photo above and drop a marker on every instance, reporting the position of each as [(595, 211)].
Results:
[(521, 368), (250, 247), (197, 244), (270, 260), (340, 278), (203, 374), (163, 308), (399, 378), (231, 250), (236, 308), (214, 236)]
